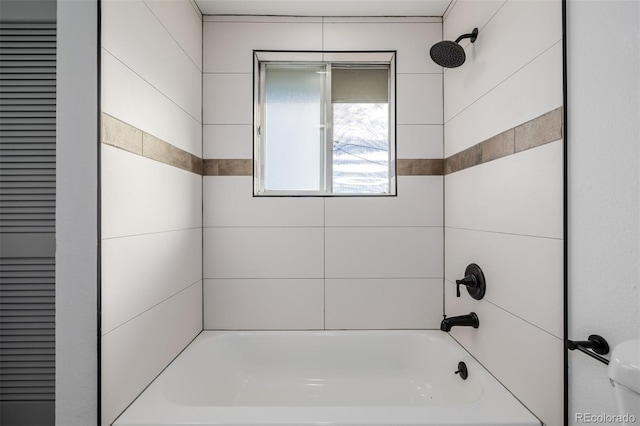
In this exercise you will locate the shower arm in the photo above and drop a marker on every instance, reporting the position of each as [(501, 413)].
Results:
[(472, 35)]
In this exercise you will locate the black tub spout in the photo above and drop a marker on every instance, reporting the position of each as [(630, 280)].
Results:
[(470, 320)]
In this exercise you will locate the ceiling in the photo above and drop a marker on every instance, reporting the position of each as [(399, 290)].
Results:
[(325, 7)]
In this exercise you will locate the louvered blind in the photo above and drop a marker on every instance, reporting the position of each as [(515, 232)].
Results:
[(27, 214)]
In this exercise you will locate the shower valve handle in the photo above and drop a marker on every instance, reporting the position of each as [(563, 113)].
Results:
[(469, 281)]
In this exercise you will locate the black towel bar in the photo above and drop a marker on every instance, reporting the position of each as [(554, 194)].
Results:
[(594, 347)]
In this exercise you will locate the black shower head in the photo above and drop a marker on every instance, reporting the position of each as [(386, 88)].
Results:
[(450, 54)]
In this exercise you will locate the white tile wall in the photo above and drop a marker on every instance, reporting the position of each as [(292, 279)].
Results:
[(141, 196), (379, 252), (134, 35), (507, 215), (184, 24), (263, 252), (523, 357), (418, 203), (151, 212), (132, 100), (465, 15), (249, 242), (227, 141), (230, 203), (228, 99), (523, 274), (518, 194), (419, 141), (501, 49), (383, 303), (504, 107), (412, 91), (408, 38), (264, 304), (154, 265), (229, 46), (134, 354)]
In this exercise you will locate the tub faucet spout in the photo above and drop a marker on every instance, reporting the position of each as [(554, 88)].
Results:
[(470, 320)]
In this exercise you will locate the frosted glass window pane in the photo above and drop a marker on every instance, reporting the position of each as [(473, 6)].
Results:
[(361, 148), (293, 134)]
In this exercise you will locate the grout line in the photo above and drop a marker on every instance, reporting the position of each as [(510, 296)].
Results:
[(514, 314), (227, 73), (171, 35), (501, 82), (154, 87), (324, 264), (152, 307), (496, 379), (505, 233), (322, 278), (150, 233), (523, 319), (158, 375), (323, 226)]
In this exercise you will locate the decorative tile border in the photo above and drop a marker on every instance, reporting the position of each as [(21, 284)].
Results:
[(124, 136), (420, 167), (228, 167), (539, 131)]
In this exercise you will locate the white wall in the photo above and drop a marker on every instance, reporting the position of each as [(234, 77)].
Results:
[(604, 189), (77, 214), (314, 263), (506, 215), (151, 211)]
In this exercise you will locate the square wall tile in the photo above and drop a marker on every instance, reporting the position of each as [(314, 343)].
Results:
[(419, 141), (183, 23), (227, 99), (523, 273), (283, 304), (419, 98), (383, 303), (414, 252), (530, 92), (229, 201), (511, 349), (418, 203), (134, 35), (131, 99), (227, 141), (141, 271), (410, 39), (142, 196), (518, 194), (229, 46), (134, 354), (539, 28), (263, 253)]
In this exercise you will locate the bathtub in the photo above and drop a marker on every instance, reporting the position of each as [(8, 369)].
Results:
[(296, 378)]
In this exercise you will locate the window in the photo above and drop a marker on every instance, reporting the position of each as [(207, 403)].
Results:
[(324, 123)]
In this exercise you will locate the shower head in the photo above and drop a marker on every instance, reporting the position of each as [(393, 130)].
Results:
[(450, 54)]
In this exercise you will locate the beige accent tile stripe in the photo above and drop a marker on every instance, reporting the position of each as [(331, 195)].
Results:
[(420, 167), (228, 167), (124, 136), (539, 131)]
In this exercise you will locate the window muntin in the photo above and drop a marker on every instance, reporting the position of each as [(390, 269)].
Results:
[(325, 127)]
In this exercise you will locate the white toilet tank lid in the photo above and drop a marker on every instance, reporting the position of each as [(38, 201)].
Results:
[(624, 367)]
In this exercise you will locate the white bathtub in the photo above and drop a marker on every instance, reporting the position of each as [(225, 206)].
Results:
[(278, 378)]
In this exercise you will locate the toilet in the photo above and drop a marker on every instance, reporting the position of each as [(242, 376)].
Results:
[(624, 373)]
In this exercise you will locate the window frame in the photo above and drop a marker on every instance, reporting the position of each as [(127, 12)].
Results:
[(356, 59)]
